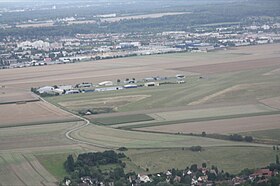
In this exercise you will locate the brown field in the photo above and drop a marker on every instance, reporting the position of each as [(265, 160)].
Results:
[(272, 102), (35, 136), (31, 113), (10, 95), (233, 66), (226, 126)]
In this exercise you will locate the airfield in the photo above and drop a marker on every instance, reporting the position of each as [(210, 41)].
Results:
[(226, 92)]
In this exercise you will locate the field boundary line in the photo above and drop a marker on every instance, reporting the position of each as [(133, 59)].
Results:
[(68, 133), (11, 169), (33, 167)]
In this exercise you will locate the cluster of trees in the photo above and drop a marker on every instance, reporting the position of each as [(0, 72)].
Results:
[(89, 165), (96, 110), (237, 137), (196, 148)]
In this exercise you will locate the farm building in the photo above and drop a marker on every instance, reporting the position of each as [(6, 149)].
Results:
[(180, 76), (149, 79), (108, 89), (65, 87), (58, 91), (84, 85), (106, 83), (151, 84), (130, 86), (72, 92), (129, 81), (46, 89)]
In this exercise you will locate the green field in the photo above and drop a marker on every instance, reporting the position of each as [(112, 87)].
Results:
[(213, 118), (269, 135), (230, 159), (121, 119), (54, 164)]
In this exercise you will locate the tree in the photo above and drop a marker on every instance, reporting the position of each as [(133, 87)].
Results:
[(236, 137), (204, 165), (212, 176), (163, 184), (203, 134), (193, 167), (69, 164), (248, 138), (196, 148), (187, 180)]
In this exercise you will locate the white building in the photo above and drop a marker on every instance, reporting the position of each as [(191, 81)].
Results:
[(105, 83), (46, 89), (151, 84), (144, 178), (72, 92)]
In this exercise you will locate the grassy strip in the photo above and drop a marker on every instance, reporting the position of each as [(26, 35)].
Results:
[(199, 120), (39, 123), (122, 119), (54, 163)]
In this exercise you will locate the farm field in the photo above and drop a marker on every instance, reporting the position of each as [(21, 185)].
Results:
[(114, 138), (269, 135), (23, 169), (32, 113), (223, 126), (54, 164), (13, 95), (229, 159), (35, 136), (42, 132)]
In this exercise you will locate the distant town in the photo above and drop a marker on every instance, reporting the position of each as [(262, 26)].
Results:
[(16, 52)]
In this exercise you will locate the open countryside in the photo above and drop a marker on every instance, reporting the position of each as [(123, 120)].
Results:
[(160, 109)]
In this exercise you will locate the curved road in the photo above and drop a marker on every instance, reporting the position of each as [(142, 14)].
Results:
[(76, 128)]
